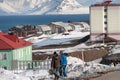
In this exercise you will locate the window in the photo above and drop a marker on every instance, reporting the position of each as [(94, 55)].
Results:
[(4, 67), (105, 16), (105, 28), (105, 10), (105, 22), (3, 56)]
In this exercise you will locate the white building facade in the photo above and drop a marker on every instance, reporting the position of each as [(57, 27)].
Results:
[(105, 19)]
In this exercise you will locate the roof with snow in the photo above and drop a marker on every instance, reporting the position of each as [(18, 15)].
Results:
[(10, 42), (44, 27), (62, 24)]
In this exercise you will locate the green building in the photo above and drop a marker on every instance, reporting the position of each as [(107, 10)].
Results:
[(15, 53)]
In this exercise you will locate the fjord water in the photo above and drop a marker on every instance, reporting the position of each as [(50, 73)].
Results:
[(7, 22)]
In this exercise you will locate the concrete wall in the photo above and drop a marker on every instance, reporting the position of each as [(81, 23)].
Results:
[(97, 19), (113, 19)]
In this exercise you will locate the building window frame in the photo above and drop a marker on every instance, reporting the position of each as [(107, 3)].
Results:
[(105, 16), (3, 56), (105, 10), (105, 28), (105, 22)]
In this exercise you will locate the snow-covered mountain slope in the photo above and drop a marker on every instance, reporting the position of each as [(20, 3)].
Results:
[(70, 7), (41, 7)]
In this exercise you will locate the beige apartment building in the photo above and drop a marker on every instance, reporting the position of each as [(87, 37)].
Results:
[(105, 19)]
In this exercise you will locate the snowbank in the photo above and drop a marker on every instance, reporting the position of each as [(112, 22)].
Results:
[(8, 75), (75, 68), (82, 68), (115, 50)]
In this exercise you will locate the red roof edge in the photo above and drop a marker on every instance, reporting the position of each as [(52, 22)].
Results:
[(12, 42)]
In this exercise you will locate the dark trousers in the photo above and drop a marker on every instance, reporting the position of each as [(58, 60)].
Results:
[(56, 73), (63, 71)]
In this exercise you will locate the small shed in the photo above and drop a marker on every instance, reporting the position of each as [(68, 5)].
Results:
[(39, 30), (46, 29), (65, 27), (81, 26), (56, 28)]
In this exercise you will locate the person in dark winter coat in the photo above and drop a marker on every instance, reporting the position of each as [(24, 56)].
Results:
[(55, 65), (63, 64)]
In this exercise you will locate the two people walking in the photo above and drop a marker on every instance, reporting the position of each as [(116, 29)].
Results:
[(58, 64)]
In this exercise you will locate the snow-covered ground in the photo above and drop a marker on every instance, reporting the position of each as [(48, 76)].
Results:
[(8, 75), (75, 68), (44, 40), (35, 39), (115, 49), (67, 50)]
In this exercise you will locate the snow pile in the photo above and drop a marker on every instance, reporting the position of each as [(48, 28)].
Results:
[(36, 74), (115, 50), (73, 62), (117, 66), (72, 34), (8, 75), (81, 68), (75, 68)]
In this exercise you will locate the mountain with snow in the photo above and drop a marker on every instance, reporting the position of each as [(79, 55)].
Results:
[(38, 7), (70, 7)]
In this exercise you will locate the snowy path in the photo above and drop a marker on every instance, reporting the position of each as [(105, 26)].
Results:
[(110, 76)]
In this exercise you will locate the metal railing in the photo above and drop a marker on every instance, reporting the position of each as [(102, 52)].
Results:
[(31, 65)]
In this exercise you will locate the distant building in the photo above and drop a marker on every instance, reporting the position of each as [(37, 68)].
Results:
[(14, 50), (23, 30), (80, 26), (44, 29), (105, 21), (61, 27)]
